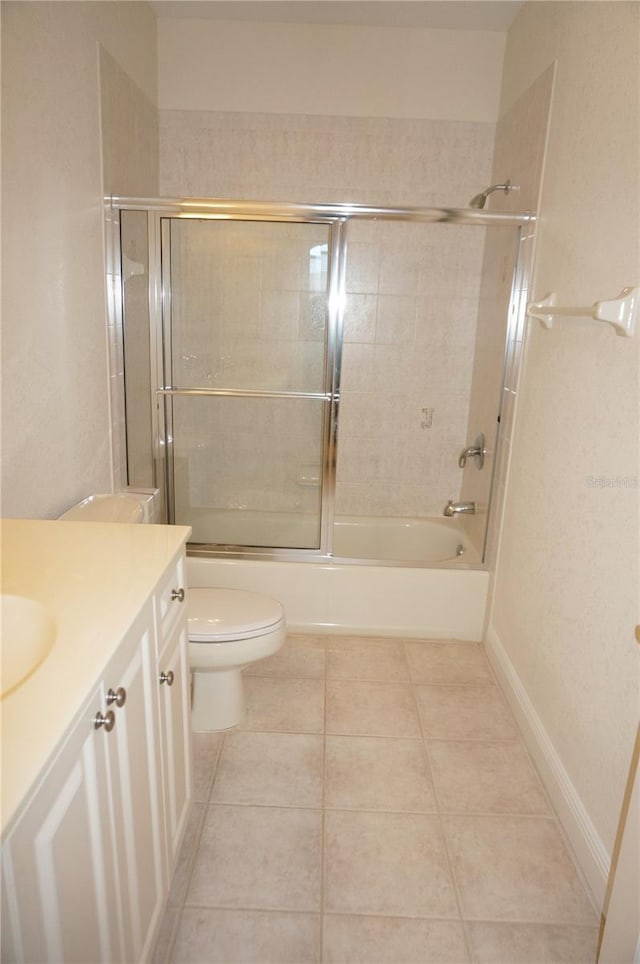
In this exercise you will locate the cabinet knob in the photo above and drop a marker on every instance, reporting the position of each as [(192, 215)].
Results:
[(119, 696), (178, 594), (167, 678), (108, 721)]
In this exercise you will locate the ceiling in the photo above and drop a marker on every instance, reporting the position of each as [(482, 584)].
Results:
[(435, 14)]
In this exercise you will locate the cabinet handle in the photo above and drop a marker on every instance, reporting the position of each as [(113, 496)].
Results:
[(108, 721), (167, 678), (119, 697), (178, 594)]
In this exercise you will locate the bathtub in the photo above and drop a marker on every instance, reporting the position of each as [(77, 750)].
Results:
[(424, 588), (423, 541)]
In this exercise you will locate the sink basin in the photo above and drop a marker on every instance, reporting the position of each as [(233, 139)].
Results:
[(28, 633)]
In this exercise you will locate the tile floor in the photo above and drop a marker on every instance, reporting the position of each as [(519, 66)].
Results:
[(375, 805)]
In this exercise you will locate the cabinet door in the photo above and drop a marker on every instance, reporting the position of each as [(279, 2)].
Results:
[(59, 890), (173, 682), (133, 760)]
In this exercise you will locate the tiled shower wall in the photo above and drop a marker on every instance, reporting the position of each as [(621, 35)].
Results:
[(412, 290)]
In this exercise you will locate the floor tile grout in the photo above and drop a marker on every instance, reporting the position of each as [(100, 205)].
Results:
[(323, 807)]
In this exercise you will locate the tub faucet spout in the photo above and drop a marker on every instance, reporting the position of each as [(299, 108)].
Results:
[(459, 508)]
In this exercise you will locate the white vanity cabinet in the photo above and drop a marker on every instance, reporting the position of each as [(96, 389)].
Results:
[(59, 892), (133, 751), (88, 861), (173, 681)]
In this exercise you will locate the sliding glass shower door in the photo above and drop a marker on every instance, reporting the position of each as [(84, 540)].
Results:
[(249, 379)]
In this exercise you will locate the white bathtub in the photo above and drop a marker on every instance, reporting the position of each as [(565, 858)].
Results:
[(444, 600), (429, 541), (421, 540)]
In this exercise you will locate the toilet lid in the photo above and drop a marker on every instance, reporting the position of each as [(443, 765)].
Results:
[(218, 615)]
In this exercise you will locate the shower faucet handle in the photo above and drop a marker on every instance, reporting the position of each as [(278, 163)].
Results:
[(477, 451)]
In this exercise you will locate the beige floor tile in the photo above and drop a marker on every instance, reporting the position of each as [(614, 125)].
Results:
[(474, 777), (301, 656), (286, 705), (465, 713), (392, 940), (206, 749), (532, 943), (366, 773), (246, 937), (353, 657), (389, 864), (276, 769), (515, 868), (448, 662), (263, 858), (358, 708), (186, 857)]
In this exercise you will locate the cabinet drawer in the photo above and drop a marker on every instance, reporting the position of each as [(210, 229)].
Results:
[(171, 599)]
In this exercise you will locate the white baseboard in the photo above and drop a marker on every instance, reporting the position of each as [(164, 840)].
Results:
[(589, 850)]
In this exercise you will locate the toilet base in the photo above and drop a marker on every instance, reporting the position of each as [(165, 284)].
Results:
[(217, 700)]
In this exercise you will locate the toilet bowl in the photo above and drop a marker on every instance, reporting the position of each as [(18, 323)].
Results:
[(228, 629)]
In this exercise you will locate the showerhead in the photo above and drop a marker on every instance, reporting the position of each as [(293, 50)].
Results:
[(480, 200)]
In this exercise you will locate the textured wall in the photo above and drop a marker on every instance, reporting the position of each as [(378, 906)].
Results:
[(566, 587), (55, 391)]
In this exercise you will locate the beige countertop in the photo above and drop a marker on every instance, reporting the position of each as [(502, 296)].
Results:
[(93, 578)]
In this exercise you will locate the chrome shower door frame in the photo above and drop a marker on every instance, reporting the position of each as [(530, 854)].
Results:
[(336, 216), (165, 391)]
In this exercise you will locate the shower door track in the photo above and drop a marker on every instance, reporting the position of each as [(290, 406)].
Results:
[(237, 210)]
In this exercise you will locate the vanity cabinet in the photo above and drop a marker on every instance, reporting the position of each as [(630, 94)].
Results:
[(174, 684), (59, 874), (87, 865)]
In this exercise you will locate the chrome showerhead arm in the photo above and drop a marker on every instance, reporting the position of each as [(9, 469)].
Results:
[(480, 200)]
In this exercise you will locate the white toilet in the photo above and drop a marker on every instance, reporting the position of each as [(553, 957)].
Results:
[(228, 629)]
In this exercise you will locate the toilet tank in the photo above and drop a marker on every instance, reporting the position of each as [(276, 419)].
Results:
[(131, 505)]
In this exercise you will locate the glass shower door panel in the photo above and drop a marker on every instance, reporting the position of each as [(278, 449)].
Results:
[(247, 471), (248, 305)]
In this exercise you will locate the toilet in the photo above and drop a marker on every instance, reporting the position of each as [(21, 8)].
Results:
[(228, 628)]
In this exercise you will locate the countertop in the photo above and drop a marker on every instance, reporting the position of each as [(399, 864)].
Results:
[(93, 578)]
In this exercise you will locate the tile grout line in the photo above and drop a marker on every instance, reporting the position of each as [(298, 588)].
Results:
[(439, 815), (196, 848)]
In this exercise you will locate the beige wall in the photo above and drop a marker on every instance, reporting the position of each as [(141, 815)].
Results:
[(323, 69), (565, 596), (56, 445)]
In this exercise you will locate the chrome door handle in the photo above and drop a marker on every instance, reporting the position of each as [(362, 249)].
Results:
[(167, 678), (178, 594)]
